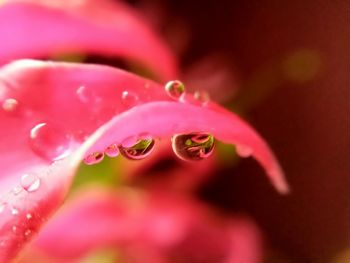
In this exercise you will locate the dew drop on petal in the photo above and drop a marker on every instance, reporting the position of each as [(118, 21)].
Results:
[(30, 182), (175, 89), (28, 232), (244, 151), (29, 216), (112, 150), (202, 96), (2, 207), (14, 211), (193, 146), (94, 158), (49, 142), (16, 190), (129, 99), (83, 94), (140, 150), (14, 229), (10, 105)]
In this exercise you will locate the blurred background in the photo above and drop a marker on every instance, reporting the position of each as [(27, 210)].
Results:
[(287, 71)]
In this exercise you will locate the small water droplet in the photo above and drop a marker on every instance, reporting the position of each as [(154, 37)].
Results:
[(49, 142), (112, 150), (175, 89), (193, 146), (83, 94), (10, 105), (14, 229), (2, 244), (94, 158), (202, 96), (28, 232), (14, 211), (30, 182), (129, 99), (244, 151), (140, 150), (29, 216), (16, 190), (2, 207)]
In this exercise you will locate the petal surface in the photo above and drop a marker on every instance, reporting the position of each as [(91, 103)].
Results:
[(108, 28), (84, 109)]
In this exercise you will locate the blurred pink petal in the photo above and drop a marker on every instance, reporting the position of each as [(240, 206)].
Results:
[(50, 111), (144, 227), (110, 28)]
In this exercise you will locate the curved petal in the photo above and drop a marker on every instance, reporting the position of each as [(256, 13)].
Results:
[(103, 27), (48, 110), (173, 227), (179, 118)]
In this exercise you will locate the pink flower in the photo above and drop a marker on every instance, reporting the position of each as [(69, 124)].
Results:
[(56, 114)]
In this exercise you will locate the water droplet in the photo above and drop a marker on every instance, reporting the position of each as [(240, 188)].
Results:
[(16, 190), (244, 151), (14, 229), (49, 142), (129, 99), (2, 207), (175, 89), (14, 211), (140, 150), (94, 158), (28, 232), (10, 105), (202, 96), (29, 216), (193, 146), (83, 94), (30, 182), (112, 150)]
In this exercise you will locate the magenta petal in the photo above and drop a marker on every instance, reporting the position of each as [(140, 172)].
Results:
[(108, 28)]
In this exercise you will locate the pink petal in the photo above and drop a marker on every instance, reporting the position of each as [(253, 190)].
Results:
[(179, 118), (74, 100), (111, 28), (161, 224)]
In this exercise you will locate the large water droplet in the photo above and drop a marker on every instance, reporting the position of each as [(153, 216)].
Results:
[(175, 89), (30, 182), (49, 142), (140, 150), (129, 99), (10, 105), (193, 146), (94, 158), (244, 151), (112, 150)]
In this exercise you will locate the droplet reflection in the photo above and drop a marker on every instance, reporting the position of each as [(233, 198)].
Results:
[(193, 146)]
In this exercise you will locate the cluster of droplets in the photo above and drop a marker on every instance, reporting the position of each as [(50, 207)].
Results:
[(129, 148), (24, 228), (189, 147), (176, 90)]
